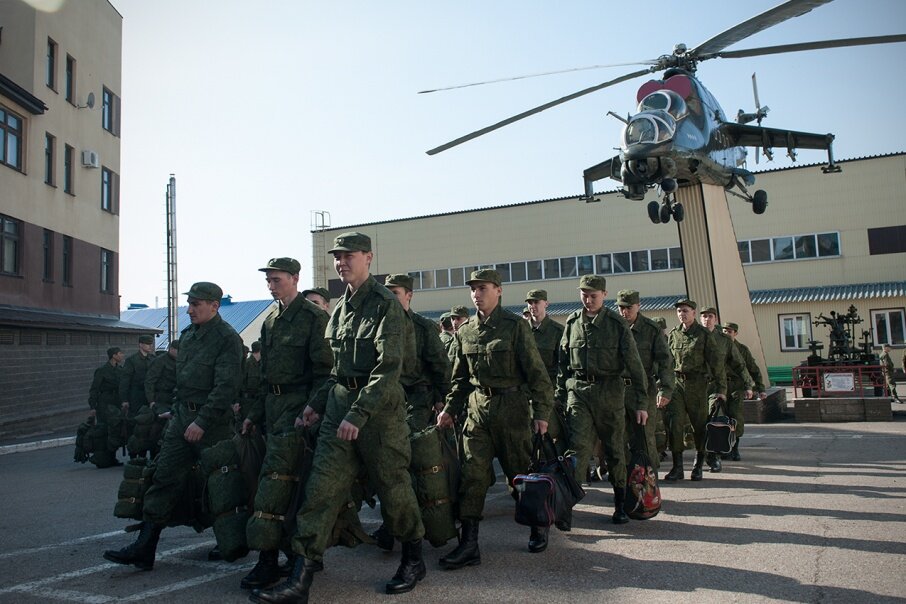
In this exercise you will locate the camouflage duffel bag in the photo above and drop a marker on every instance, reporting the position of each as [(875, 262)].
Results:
[(277, 485), (226, 498), (430, 480), (347, 530), (145, 433), (130, 497), (84, 444)]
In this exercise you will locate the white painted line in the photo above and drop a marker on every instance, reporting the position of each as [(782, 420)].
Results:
[(38, 444), (33, 550), (178, 586), (68, 595)]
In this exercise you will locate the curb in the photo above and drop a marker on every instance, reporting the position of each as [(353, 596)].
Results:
[(36, 445)]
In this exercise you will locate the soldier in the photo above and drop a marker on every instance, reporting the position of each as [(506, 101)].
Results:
[(250, 387), (735, 386), (447, 336), (458, 314), (730, 362), (207, 383), (547, 334), (319, 296), (295, 361), (160, 381), (887, 368), (364, 425), (499, 372), (655, 356), (695, 358), (596, 350), (103, 399), (132, 380), (660, 430)]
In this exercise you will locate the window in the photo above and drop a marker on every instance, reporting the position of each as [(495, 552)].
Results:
[(744, 255), (109, 190), (456, 277), (427, 280), (805, 247), (68, 153), (48, 255), (639, 261), (9, 246), (106, 271), (70, 79), (660, 260), (416, 280), (442, 278), (761, 250), (50, 77), (889, 327), (568, 267), (604, 264), (829, 244), (621, 262), (11, 137), (517, 271), (552, 268), (110, 113), (676, 258), (783, 248), (67, 260), (796, 247), (534, 270), (585, 265), (795, 332), (50, 146)]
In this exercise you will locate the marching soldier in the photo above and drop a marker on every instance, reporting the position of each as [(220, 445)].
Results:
[(655, 356), (596, 350), (499, 374), (696, 357), (459, 314), (250, 386), (363, 425), (547, 334), (887, 368), (132, 381), (207, 383), (103, 398), (295, 361), (160, 380), (447, 336), (736, 386), (319, 296)]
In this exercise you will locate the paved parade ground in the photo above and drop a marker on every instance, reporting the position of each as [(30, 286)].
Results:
[(813, 513)]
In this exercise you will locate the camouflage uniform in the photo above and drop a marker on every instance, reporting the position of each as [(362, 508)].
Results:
[(449, 340), (250, 388), (887, 368), (547, 340), (103, 397), (366, 333), (736, 386), (425, 376), (160, 382), (132, 381)]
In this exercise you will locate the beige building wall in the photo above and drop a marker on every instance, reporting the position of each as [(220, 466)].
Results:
[(91, 32)]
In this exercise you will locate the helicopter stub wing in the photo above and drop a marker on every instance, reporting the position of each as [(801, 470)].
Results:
[(609, 168), (767, 138)]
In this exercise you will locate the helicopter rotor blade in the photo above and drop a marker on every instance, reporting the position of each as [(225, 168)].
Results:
[(538, 75), (755, 91), (538, 109), (749, 27), (822, 44)]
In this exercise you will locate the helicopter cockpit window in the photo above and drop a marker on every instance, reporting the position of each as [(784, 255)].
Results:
[(665, 100), (650, 127)]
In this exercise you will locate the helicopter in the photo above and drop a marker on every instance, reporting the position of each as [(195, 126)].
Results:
[(680, 135)]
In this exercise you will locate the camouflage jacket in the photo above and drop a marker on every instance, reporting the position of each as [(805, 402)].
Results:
[(430, 365), (207, 369), (886, 363), (132, 380), (734, 381), (733, 363), (547, 339), (160, 382), (695, 352), (499, 352), (449, 341), (602, 347), (654, 354), (250, 385), (105, 387)]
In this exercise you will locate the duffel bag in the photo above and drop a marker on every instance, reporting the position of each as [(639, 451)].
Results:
[(131, 493), (643, 495), (536, 502), (276, 486), (720, 431), (561, 471), (226, 498), (429, 469), (84, 445)]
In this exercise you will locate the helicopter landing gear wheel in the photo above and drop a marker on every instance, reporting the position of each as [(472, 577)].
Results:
[(759, 202), (653, 212), (665, 212), (678, 212)]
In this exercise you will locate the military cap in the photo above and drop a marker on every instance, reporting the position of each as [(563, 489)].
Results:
[(685, 302), (729, 325), (146, 339), (487, 275), (288, 265), (205, 290), (661, 322), (593, 282), (399, 280), (708, 310), (112, 351), (445, 315), (174, 344), (536, 294), (627, 297), (318, 290), (256, 346), (459, 311), (352, 241), (527, 310)]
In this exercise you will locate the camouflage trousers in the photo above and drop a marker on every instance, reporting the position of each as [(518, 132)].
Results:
[(499, 426), (419, 408), (281, 410), (646, 432), (690, 399), (597, 411), (734, 407), (383, 449), (175, 461)]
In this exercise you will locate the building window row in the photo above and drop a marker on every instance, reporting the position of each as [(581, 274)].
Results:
[(11, 139), (888, 327), (110, 112), (566, 267), (792, 247), (110, 109)]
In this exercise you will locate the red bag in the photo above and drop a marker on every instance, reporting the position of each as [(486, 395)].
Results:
[(643, 495)]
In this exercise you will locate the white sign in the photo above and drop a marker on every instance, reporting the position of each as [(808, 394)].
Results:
[(839, 382)]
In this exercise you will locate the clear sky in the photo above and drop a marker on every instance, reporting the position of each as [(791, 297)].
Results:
[(266, 111)]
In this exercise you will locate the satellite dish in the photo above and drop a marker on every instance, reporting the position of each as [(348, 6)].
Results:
[(89, 102)]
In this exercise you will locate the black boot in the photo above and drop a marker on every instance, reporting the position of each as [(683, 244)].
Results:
[(141, 553), (714, 463), (411, 570), (697, 468), (676, 473), (383, 538), (734, 454), (266, 571), (292, 591), (538, 539), (466, 553), (619, 500)]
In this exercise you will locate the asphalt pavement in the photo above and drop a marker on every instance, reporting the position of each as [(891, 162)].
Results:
[(813, 513)]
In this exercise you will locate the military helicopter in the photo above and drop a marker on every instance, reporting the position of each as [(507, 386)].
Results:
[(679, 134)]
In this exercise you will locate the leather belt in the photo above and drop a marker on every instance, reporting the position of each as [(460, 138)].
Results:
[(686, 376), (488, 391), (194, 407), (352, 383), (280, 389), (418, 388), (590, 377)]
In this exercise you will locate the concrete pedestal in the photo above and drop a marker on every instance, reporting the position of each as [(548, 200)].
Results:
[(842, 409)]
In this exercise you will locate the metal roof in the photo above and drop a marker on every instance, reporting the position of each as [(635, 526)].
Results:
[(13, 316), (238, 314)]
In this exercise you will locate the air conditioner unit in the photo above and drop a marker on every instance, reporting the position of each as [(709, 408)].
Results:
[(90, 159)]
